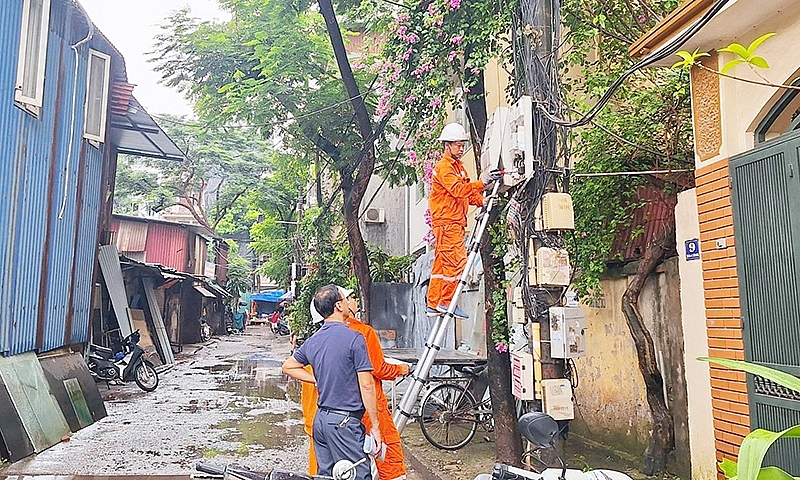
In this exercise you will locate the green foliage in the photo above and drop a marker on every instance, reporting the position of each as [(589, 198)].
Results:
[(756, 444), (501, 332), (222, 166), (434, 55), (645, 126), (746, 55), (388, 268), (329, 257), (743, 55), (238, 273), (689, 59)]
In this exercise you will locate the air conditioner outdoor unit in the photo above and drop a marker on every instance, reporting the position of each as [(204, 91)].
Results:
[(375, 215)]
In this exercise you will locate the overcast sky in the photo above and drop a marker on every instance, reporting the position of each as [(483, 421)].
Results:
[(131, 26)]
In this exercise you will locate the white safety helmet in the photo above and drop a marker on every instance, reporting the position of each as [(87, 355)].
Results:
[(453, 132), (316, 317)]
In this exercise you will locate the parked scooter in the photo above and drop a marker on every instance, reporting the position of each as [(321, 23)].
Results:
[(342, 470), (277, 323), (126, 363), (541, 430)]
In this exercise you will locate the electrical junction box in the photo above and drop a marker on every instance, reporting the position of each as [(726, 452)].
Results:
[(520, 137), (551, 268), (517, 306), (522, 377), (557, 399), (557, 212), (567, 336)]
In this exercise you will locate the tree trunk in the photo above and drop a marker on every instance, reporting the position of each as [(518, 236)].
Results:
[(662, 440), (353, 189), (508, 441)]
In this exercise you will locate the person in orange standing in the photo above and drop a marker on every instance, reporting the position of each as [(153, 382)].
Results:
[(392, 467), (452, 193)]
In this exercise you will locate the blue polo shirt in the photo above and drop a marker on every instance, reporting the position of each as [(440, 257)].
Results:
[(337, 354)]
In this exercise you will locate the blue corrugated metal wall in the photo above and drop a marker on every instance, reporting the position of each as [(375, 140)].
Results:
[(39, 288)]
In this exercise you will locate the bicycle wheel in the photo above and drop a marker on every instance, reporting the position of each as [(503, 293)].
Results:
[(448, 417)]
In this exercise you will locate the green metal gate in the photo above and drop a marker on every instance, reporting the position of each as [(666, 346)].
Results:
[(765, 194)]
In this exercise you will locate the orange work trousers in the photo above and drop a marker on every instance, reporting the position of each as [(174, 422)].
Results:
[(393, 466), (449, 262)]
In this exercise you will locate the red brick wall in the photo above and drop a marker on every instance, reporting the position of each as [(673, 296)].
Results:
[(723, 316)]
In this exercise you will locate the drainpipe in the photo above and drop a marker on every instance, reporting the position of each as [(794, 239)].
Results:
[(74, 48)]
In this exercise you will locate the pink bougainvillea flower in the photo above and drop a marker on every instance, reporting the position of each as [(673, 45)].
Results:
[(456, 40), (501, 347), (435, 103), (452, 55), (455, 4)]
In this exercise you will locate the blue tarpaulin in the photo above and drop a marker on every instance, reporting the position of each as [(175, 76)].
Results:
[(270, 296)]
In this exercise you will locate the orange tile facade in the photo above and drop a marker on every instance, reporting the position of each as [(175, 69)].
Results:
[(723, 316)]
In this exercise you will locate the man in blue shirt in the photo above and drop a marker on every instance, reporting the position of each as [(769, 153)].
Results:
[(343, 376)]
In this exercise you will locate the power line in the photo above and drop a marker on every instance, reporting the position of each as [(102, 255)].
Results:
[(268, 124)]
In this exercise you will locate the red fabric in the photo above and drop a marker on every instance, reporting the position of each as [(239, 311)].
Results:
[(449, 262), (452, 193)]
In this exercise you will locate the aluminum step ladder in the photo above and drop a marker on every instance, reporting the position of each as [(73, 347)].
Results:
[(419, 377)]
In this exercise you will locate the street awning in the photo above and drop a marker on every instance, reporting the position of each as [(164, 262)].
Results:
[(136, 133), (202, 291)]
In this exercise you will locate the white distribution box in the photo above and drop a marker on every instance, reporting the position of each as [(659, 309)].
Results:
[(567, 336), (522, 375), (557, 401), (552, 267)]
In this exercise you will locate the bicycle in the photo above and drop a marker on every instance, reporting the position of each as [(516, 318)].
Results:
[(449, 414)]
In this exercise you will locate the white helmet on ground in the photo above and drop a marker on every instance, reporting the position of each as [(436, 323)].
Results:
[(453, 132)]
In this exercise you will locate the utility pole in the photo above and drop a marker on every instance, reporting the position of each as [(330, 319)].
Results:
[(536, 43)]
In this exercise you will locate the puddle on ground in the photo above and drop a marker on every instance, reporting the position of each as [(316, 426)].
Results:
[(219, 367), (268, 431), (255, 377)]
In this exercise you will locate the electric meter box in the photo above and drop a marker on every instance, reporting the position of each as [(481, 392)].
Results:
[(557, 212), (551, 267), (557, 399), (567, 339), (522, 376)]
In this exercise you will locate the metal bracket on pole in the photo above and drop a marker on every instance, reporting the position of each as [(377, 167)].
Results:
[(433, 344)]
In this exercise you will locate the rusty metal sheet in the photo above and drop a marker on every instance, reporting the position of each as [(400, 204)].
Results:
[(131, 236)]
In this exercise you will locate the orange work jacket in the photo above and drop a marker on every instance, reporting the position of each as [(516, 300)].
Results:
[(452, 193), (381, 370)]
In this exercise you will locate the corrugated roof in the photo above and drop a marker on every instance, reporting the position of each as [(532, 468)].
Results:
[(138, 134), (656, 213)]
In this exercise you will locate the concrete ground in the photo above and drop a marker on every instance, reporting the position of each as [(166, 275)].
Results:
[(224, 402)]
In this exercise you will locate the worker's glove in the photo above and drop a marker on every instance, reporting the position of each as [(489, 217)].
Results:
[(488, 177)]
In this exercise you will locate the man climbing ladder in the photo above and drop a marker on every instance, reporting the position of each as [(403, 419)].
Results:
[(452, 193), (451, 134)]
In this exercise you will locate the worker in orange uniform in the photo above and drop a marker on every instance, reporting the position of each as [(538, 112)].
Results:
[(452, 193), (392, 467)]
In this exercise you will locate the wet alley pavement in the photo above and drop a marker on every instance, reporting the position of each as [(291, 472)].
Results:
[(224, 402)]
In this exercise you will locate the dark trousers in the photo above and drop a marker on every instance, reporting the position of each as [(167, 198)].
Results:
[(338, 437)]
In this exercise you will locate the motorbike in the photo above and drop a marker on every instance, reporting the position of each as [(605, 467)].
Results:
[(342, 470), (278, 325), (542, 431), (124, 363)]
